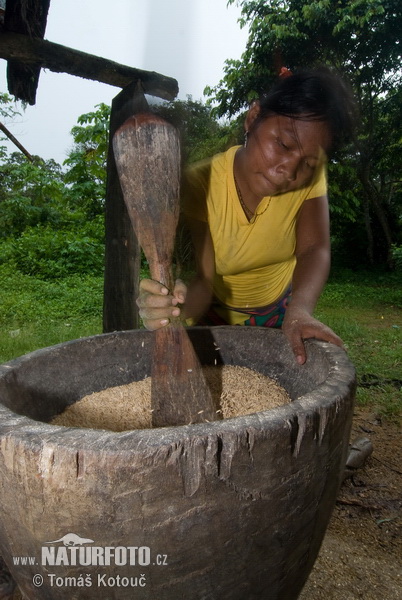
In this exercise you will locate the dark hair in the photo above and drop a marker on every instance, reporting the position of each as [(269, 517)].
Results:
[(317, 95)]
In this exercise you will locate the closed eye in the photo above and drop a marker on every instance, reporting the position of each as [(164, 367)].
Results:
[(282, 144), (310, 164)]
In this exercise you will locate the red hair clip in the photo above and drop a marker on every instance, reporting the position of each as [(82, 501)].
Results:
[(285, 72)]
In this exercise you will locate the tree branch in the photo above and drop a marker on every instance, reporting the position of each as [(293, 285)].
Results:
[(14, 140)]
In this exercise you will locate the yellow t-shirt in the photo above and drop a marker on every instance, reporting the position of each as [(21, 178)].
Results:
[(254, 260)]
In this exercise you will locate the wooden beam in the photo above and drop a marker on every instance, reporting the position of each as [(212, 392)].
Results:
[(60, 59)]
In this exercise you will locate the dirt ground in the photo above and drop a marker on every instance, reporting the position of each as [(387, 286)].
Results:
[(361, 556)]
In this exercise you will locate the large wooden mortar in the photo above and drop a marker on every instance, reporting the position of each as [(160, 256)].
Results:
[(238, 507)]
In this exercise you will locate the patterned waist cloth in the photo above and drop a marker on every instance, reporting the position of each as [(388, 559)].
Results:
[(264, 316)]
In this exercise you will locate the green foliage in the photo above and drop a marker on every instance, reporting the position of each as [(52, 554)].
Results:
[(344, 191), (361, 37), (8, 112), (201, 134), (31, 193), (397, 257), (7, 107), (86, 163), (50, 225), (363, 289), (40, 233), (53, 254)]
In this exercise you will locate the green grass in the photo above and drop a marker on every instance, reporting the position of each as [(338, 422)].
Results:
[(36, 313), (365, 309)]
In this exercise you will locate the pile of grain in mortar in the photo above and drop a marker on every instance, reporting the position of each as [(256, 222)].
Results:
[(237, 390)]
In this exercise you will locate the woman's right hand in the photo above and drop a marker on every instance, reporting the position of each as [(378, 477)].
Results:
[(156, 305)]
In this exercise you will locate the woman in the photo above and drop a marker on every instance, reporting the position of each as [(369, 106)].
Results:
[(259, 220)]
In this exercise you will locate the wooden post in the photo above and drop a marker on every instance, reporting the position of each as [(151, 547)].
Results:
[(122, 251)]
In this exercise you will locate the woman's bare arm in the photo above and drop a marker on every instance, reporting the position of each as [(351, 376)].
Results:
[(309, 277)]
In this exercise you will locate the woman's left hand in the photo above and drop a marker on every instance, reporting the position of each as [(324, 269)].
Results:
[(299, 325)]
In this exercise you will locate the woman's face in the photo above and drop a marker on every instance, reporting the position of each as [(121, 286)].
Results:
[(282, 153)]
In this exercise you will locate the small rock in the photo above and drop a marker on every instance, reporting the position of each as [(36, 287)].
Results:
[(359, 450)]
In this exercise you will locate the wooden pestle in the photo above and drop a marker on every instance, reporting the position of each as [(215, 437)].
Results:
[(147, 154)]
